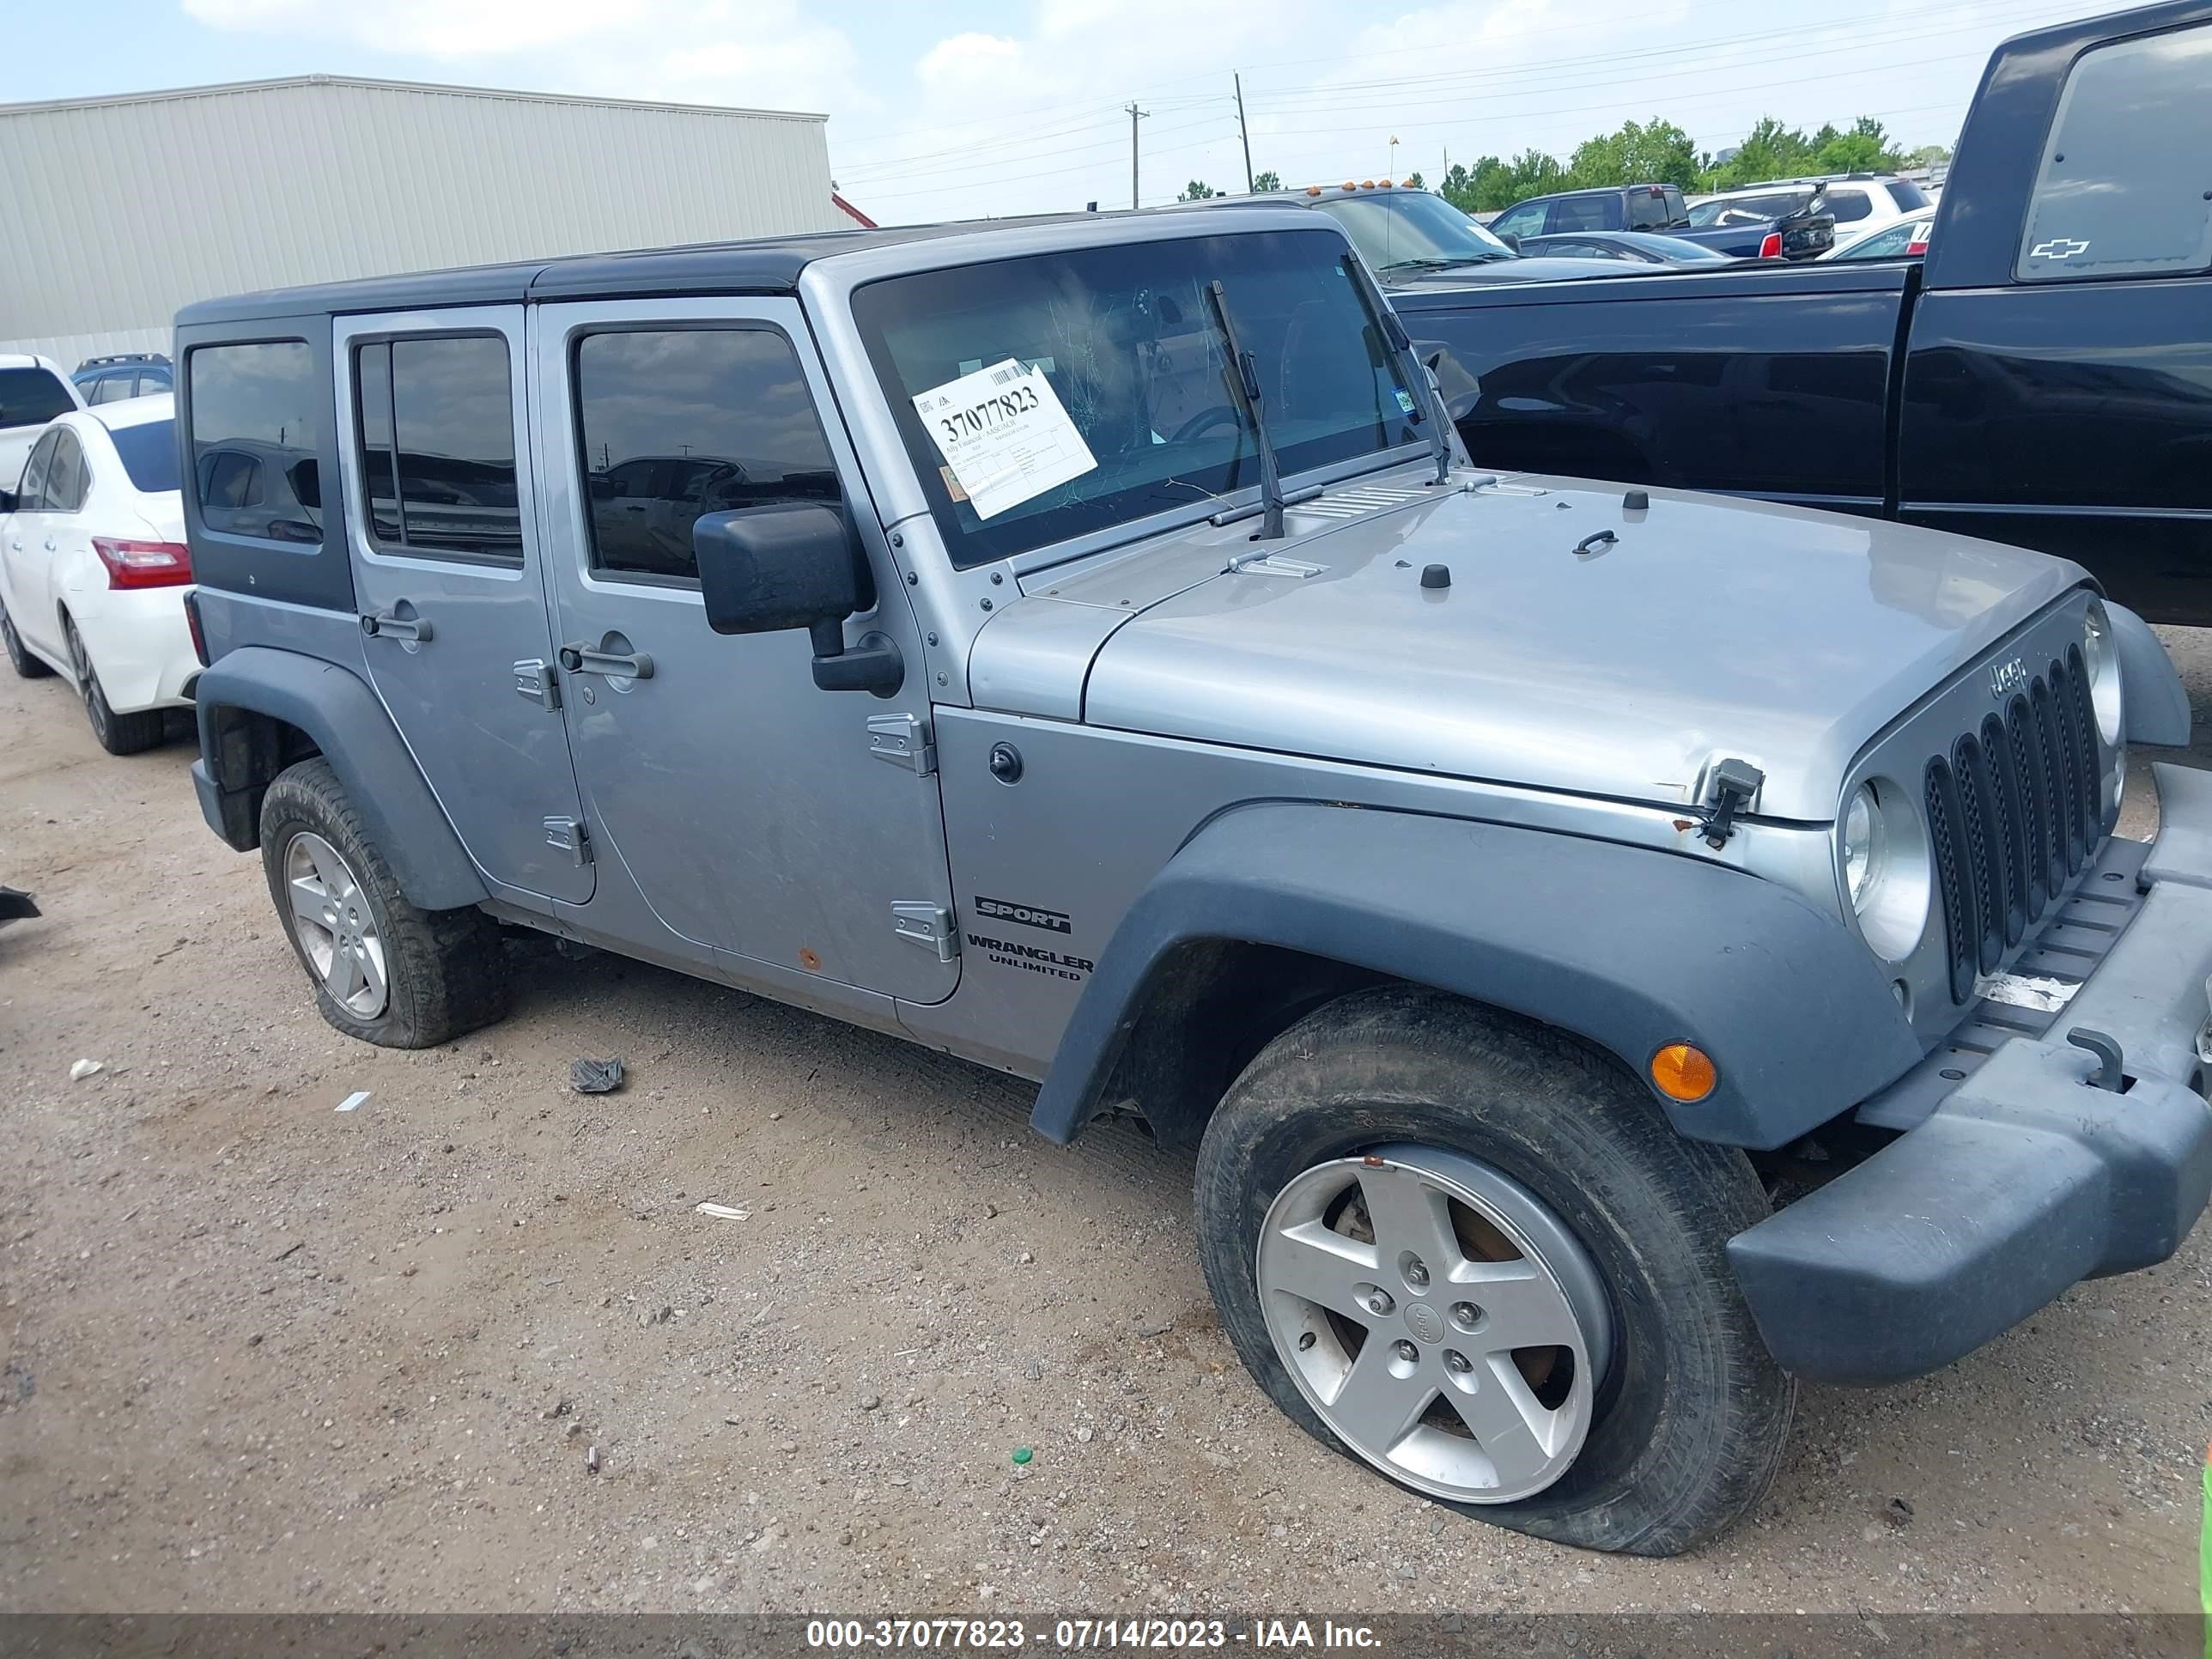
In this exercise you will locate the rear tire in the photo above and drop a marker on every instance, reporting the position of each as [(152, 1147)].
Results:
[(1688, 1414), (19, 654), (119, 734), (384, 970)]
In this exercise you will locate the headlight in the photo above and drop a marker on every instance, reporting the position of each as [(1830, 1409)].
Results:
[(2100, 659), (1881, 848), (1861, 845)]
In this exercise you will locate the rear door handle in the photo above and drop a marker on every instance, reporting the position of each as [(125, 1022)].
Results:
[(383, 625), (584, 659), (50, 543)]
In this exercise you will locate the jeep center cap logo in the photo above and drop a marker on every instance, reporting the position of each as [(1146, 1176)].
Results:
[(1425, 1321)]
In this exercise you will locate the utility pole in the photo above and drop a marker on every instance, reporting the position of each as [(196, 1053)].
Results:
[(1136, 116), (1245, 133)]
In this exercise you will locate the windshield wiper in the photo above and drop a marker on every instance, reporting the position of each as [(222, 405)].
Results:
[(1431, 262), (1430, 409), (1245, 382)]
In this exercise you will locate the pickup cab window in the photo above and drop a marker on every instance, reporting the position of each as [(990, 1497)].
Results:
[(2123, 182), (1126, 340)]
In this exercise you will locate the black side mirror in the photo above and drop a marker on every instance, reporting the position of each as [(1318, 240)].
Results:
[(9, 500), (1508, 239), (763, 569)]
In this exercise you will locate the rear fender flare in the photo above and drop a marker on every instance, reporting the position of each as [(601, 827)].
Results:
[(1627, 947), (345, 720)]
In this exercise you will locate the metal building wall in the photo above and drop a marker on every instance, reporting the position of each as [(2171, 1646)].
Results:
[(114, 212)]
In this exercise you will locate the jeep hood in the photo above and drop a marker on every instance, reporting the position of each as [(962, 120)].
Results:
[(1705, 628)]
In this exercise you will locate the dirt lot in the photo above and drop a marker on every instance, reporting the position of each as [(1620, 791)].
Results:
[(262, 1355)]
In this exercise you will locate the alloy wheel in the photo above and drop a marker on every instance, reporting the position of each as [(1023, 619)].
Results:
[(337, 929), (1442, 1320)]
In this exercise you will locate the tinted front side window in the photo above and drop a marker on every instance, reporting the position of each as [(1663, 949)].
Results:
[(32, 396), (148, 454), (1586, 213), (1523, 221), (436, 419), (2122, 186), (1104, 370), (677, 424), (257, 428)]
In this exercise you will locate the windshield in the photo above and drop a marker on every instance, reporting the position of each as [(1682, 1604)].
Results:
[(148, 451), (1399, 229), (1064, 393), (1749, 210)]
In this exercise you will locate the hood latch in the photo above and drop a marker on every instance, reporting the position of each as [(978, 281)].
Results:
[(1734, 785)]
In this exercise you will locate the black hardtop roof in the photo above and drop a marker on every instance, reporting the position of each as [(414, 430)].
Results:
[(765, 265)]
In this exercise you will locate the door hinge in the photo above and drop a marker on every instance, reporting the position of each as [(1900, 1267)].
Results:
[(570, 836), (537, 681), (919, 921), (904, 740)]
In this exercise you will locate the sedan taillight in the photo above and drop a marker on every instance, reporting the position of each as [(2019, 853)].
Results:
[(1770, 247), (143, 564)]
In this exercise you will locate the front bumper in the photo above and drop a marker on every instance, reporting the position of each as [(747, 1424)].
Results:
[(2027, 1178)]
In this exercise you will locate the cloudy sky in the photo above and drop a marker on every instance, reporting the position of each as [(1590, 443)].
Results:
[(984, 107)]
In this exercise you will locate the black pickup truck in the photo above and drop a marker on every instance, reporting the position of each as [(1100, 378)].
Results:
[(2045, 377)]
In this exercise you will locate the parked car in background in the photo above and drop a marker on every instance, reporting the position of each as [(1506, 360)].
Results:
[(1410, 236), (94, 569), (1641, 247), (33, 391), (126, 375), (1859, 203), (1908, 240), (2043, 377), (1795, 228)]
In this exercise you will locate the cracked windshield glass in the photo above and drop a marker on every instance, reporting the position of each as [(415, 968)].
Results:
[(1052, 397)]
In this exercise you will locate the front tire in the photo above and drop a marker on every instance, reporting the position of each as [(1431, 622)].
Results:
[(1560, 1346), (384, 970)]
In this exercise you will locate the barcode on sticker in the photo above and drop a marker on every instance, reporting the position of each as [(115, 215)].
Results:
[(1011, 372)]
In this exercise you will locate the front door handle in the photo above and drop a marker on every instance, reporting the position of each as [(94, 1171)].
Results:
[(50, 543), (385, 625), (587, 659)]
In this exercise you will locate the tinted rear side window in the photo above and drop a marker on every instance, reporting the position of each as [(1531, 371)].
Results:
[(436, 423), (257, 428), (2122, 186), (677, 423), (1908, 196), (1847, 206), (148, 454), (1649, 209), (32, 396)]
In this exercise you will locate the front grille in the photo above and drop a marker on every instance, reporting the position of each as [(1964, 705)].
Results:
[(2013, 813)]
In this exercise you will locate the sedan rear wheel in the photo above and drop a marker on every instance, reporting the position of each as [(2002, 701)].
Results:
[(119, 734)]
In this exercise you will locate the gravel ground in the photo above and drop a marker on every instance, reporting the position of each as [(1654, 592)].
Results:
[(261, 1355)]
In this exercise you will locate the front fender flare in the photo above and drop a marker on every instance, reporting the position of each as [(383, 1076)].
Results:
[(2154, 704), (1628, 947), (338, 710)]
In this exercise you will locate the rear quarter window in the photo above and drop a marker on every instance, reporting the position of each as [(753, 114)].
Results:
[(32, 396), (257, 429), (2123, 183)]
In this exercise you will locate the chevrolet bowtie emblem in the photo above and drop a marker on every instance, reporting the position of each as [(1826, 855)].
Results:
[(2058, 247)]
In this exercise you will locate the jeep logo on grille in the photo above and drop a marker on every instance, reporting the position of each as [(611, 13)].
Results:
[(2008, 677)]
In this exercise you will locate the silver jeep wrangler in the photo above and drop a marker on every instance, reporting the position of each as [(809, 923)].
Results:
[(1612, 952)]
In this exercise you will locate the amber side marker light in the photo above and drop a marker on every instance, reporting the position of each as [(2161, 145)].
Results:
[(1684, 1073)]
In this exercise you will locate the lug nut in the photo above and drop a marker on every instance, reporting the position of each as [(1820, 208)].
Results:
[(1457, 1362), (1416, 1273), (1380, 1303), (1466, 1314), (1405, 1350)]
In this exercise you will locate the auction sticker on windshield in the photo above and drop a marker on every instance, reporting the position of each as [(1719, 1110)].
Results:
[(1004, 435)]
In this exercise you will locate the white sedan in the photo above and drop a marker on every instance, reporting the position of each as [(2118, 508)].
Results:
[(94, 569)]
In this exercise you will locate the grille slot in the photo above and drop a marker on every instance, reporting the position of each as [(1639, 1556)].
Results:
[(2013, 811)]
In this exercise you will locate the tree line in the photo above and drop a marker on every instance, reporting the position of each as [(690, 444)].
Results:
[(1658, 152)]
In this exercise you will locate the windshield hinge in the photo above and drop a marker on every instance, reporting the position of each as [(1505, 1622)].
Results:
[(928, 924), (1733, 786), (904, 740), (1272, 564)]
